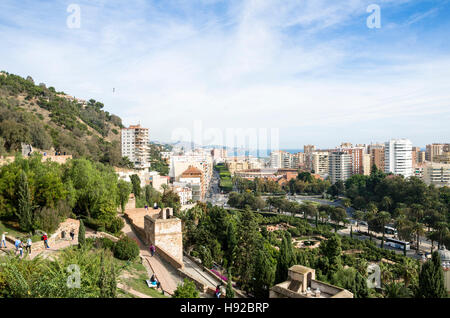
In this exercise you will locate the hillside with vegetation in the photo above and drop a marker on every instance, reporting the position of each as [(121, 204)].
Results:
[(54, 121)]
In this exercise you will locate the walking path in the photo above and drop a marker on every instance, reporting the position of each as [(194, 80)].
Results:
[(55, 247), (132, 291), (169, 280)]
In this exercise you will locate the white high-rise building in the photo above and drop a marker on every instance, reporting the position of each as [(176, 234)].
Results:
[(340, 166), (276, 159), (398, 157), (135, 145)]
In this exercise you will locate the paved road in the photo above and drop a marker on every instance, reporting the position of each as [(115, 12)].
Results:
[(196, 272)]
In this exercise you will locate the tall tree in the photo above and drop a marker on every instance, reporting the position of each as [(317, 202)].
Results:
[(246, 248), (81, 234), (124, 190), (265, 268), (229, 293), (383, 217), (431, 279), (25, 204), (136, 182)]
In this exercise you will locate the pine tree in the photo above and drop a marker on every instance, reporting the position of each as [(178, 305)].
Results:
[(81, 234)]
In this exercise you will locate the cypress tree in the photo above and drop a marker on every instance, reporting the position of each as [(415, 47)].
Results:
[(229, 289), (431, 279), (81, 234), (112, 284), (25, 205), (265, 268), (102, 281), (284, 260)]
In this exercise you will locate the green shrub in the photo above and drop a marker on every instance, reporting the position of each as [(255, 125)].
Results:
[(116, 225), (103, 242), (126, 249)]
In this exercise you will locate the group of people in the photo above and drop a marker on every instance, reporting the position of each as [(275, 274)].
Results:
[(20, 246)]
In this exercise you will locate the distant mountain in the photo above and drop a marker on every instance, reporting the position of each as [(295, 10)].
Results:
[(54, 121)]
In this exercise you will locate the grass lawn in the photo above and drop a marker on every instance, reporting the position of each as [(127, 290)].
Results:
[(134, 275)]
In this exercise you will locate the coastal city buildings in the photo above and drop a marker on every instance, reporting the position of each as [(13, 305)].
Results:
[(340, 167), (398, 157), (320, 163), (437, 174), (135, 145)]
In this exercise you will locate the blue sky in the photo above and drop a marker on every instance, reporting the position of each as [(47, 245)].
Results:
[(313, 69)]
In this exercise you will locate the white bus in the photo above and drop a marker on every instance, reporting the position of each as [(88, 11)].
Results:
[(390, 230), (398, 244)]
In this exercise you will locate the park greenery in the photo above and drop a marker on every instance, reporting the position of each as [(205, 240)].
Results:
[(414, 208), (148, 196), (48, 278), (157, 163), (238, 241), (226, 182), (41, 116), (38, 195), (304, 183)]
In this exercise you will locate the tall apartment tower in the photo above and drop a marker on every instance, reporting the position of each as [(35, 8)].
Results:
[(340, 166), (308, 150), (135, 145), (434, 150), (398, 157), (376, 152), (320, 163)]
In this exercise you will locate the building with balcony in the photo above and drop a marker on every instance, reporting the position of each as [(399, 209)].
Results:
[(135, 145), (340, 168), (398, 157)]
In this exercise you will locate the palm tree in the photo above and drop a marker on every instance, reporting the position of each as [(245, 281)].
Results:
[(384, 218), (418, 230), (386, 202), (397, 290), (369, 217), (323, 215), (358, 216)]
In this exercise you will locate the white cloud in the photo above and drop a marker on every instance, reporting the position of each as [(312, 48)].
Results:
[(240, 68)]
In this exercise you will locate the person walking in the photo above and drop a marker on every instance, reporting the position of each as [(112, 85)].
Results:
[(21, 249), (28, 246), (152, 250), (17, 244), (45, 239), (72, 234), (218, 293), (3, 240)]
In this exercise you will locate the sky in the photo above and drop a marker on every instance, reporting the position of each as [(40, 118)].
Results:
[(311, 70)]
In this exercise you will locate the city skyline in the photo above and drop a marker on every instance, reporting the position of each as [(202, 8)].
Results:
[(312, 69)]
